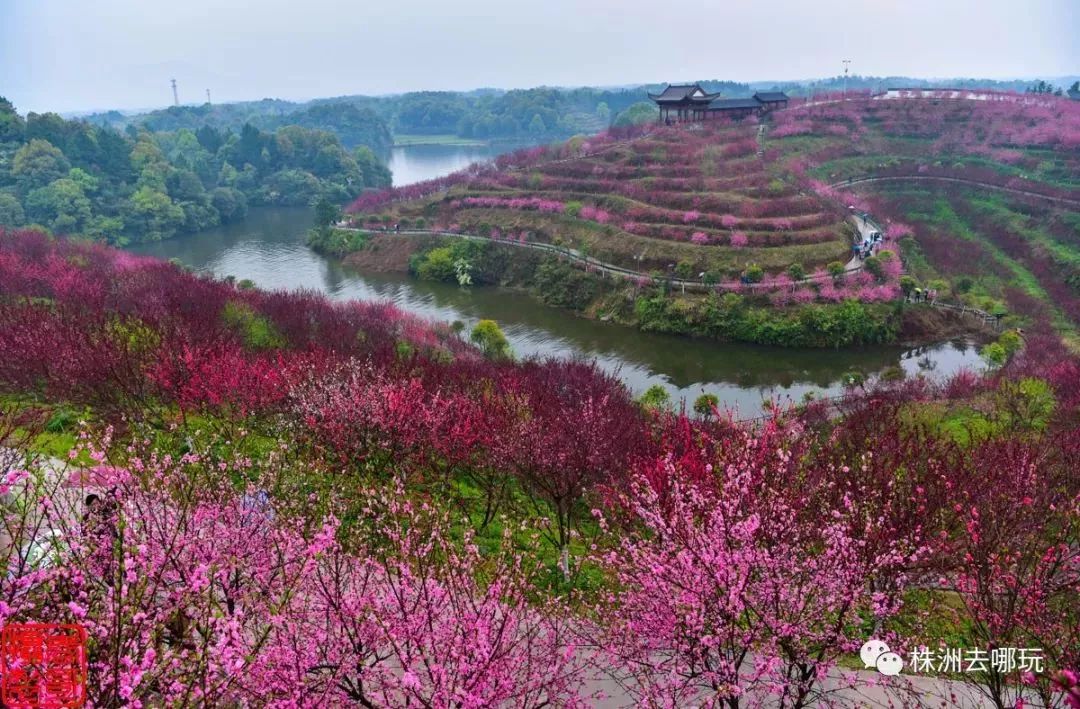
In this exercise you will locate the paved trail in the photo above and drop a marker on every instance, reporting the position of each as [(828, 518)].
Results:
[(963, 180), (591, 263)]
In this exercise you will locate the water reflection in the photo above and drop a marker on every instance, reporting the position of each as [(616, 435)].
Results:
[(268, 248)]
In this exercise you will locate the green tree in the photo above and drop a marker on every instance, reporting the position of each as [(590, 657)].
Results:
[(38, 163), (1024, 405), (12, 126), (326, 213), (835, 269), (184, 186), (637, 114), (146, 153), (436, 265), (491, 340), (706, 405), (754, 273), (102, 228), (230, 203), (152, 215), (994, 354), (62, 206), (796, 271), (88, 182), (11, 212), (873, 266), (656, 398), (1011, 342), (209, 138), (537, 125), (373, 171)]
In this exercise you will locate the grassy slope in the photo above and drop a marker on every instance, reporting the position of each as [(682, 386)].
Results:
[(997, 242), (665, 175)]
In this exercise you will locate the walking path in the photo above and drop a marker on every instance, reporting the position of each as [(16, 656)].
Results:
[(963, 180), (590, 263)]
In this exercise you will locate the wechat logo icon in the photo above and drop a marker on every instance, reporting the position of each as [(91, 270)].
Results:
[(876, 654)]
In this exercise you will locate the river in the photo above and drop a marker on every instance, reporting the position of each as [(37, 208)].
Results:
[(415, 163), (268, 248)]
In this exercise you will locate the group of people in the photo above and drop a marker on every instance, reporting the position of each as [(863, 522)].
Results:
[(866, 249), (923, 295)]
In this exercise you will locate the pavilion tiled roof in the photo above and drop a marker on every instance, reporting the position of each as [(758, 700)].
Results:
[(771, 96), (682, 92), (726, 104)]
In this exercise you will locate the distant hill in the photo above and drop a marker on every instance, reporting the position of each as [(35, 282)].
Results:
[(535, 115)]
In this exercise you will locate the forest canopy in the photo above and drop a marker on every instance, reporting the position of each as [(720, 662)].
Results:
[(142, 185)]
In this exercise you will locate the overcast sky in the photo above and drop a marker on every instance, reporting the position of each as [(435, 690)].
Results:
[(65, 55)]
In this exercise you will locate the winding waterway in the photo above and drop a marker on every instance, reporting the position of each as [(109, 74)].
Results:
[(268, 248)]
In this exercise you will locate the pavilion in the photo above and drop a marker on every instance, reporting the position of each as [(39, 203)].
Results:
[(690, 102)]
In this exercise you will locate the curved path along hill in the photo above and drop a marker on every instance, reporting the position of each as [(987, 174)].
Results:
[(863, 228)]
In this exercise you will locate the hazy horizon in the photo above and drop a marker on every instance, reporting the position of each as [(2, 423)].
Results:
[(57, 55)]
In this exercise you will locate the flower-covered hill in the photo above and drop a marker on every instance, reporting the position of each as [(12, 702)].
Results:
[(98, 326), (276, 500), (983, 195), (701, 197)]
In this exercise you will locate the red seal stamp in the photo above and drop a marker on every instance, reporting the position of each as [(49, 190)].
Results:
[(43, 666)]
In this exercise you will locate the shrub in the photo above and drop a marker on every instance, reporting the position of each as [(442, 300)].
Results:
[(558, 283), (491, 340), (656, 397), (754, 273), (873, 266), (796, 271), (706, 405), (256, 331), (436, 265), (994, 354)]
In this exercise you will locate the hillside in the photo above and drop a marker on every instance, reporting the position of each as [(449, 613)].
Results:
[(985, 193), (743, 208), (315, 495)]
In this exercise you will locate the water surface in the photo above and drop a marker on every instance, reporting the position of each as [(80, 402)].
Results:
[(415, 163), (268, 248)]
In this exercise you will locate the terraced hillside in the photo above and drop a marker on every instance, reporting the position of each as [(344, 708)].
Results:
[(985, 193), (979, 197), (701, 198)]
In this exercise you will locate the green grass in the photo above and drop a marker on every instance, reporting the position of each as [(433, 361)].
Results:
[(1049, 171), (997, 207), (938, 214)]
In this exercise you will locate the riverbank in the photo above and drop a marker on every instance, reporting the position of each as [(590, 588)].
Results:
[(268, 249), (663, 308)]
